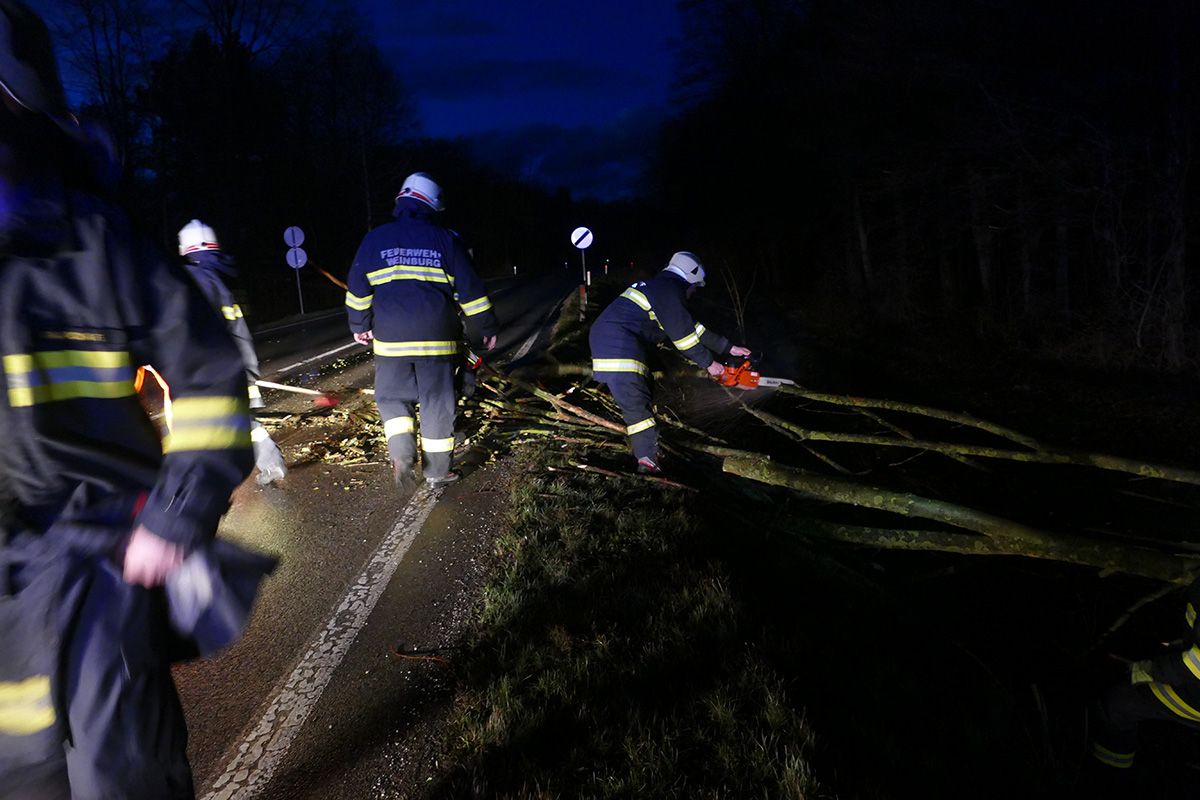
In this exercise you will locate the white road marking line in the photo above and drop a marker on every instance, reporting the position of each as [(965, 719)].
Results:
[(290, 367), (261, 752)]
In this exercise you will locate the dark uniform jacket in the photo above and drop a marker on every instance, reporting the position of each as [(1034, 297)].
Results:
[(408, 280), (647, 313), (1177, 674), (208, 267), (81, 306)]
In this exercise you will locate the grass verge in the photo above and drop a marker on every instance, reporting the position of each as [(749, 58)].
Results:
[(610, 658)]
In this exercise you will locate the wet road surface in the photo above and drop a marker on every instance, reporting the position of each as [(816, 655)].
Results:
[(313, 702)]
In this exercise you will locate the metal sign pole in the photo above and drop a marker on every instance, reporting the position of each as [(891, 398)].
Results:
[(296, 258), (581, 237)]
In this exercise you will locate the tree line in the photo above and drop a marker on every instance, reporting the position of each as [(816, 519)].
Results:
[(255, 115), (1017, 170)]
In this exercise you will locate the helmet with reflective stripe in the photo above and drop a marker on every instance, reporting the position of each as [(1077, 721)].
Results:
[(196, 236), (422, 187), (687, 266), (28, 71)]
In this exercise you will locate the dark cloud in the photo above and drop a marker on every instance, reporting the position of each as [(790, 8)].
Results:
[(457, 80), (603, 162), (436, 22), (547, 87)]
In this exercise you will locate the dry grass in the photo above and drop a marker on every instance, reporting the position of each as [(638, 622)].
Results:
[(609, 659)]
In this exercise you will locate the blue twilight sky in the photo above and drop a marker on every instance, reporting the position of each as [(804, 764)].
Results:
[(568, 93)]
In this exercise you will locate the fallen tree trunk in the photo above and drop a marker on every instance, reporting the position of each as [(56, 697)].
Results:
[(982, 545), (1045, 456), (909, 408), (1016, 538), (774, 422)]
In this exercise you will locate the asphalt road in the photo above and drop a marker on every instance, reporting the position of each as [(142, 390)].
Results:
[(312, 702), (298, 348)]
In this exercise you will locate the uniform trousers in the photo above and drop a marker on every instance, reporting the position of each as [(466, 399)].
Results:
[(119, 726), (1119, 712), (401, 386), (632, 393)]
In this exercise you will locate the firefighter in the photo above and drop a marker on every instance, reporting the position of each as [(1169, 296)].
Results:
[(407, 282), (96, 511), (645, 314), (1165, 688), (207, 263)]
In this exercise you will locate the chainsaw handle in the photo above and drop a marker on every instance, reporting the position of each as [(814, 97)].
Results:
[(732, 375), (742, 376)]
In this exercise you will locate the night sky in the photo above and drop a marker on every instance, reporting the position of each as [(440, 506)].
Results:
[(571, 94)]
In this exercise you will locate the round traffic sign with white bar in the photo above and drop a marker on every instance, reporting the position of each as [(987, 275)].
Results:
[(296, 258), (293, 237), (581, 237)]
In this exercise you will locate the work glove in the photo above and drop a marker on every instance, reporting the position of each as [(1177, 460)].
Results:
[(1139, 672), (209, 596), (269, 460)]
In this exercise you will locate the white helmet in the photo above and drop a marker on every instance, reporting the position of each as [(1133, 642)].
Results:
[(196, 236), (687, 266), (422, 187)]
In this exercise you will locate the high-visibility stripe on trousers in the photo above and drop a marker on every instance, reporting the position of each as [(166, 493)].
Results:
[(632, 393), (114, 690), (403, 385), (1121, 711)]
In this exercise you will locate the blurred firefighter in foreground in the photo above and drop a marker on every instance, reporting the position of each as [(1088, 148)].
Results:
[(207, 263), (408, 280), (1162, 689), (96, 511), (645, 314)]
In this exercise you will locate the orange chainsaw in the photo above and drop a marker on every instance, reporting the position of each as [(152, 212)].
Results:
[(744, 376)]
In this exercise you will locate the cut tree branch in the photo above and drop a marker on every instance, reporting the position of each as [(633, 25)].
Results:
[(909, 408), (1020, 539), (1044, 456)]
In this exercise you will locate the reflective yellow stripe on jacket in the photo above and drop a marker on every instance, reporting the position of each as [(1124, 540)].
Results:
[(407, 272), (1191, 660), (689, 341), (208, 423), (359, 303), (477, 306), (231, 312), (26, 706), (619, 365), (1171, 699), (639, 299), (414, 349), (53, 375)]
